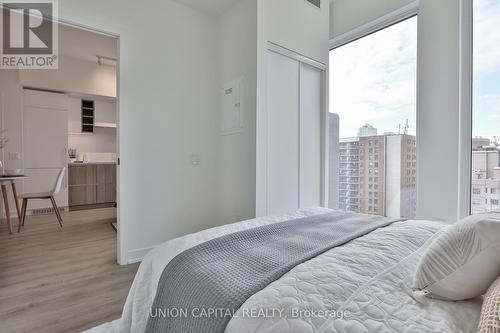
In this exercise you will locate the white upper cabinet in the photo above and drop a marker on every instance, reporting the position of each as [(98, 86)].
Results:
[(74, 115), (105, 114)]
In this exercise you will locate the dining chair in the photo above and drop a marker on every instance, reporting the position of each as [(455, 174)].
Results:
[(44, 196)]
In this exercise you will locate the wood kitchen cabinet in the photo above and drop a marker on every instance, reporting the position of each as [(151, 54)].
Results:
[(106, 183), (91, 185)]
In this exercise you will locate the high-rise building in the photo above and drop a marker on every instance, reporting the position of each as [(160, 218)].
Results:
[(367, 130), (377, 174), (388, 175), (348, 178), (485, 194), (372, 151), (333, 171), (401, 176)]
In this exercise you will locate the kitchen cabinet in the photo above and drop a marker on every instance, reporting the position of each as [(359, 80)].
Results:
[(74, 115), (106, 183), (92, 185), (105, 114)]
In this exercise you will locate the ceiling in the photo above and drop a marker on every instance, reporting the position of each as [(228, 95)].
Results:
[(213, 7), (85, 45)]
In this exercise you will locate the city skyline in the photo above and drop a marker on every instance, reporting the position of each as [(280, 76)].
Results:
[(373, 79)]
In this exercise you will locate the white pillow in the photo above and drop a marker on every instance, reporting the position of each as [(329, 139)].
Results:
[(463, 261)]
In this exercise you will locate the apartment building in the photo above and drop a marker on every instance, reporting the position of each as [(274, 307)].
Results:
[(401, 172), (377, 173), (485, 194), (349, 174), (372, 154)]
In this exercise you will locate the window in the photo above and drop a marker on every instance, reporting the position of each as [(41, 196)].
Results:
[(373, 102), (485, 105)]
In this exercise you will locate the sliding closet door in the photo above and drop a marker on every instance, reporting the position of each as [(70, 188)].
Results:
[(283, 134), (311, 106)]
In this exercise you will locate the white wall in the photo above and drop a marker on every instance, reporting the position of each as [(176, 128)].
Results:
[(103, 140), (346, 15), (296, 25), (73, 76), (11, 104), (300, 27), (237, 48), (11, 107), (438, 110), (167, 112), (438, 140)]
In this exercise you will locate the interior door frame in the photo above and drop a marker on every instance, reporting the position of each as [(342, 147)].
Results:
[(120, 243), (262, 128)]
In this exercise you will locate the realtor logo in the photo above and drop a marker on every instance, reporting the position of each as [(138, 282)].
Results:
[(29, 37)]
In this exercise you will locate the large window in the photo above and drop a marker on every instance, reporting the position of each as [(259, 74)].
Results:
[(373, 122), (486, 107)]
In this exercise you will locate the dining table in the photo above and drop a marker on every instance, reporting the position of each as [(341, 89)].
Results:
[(4, 181)]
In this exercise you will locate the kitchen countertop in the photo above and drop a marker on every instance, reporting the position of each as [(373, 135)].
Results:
[(90, 163)]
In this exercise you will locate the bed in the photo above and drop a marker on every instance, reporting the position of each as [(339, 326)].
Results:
[(361, 286)]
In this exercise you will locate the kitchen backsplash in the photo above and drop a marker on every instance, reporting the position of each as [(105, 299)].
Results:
[(91, 157), (103, 140)]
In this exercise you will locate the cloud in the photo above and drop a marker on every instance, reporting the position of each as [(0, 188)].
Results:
[(486, 35), (494, 118), (373, 79), (493, 100)]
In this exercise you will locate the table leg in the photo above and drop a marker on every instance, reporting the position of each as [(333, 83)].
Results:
[(6, 207), (14, 192)]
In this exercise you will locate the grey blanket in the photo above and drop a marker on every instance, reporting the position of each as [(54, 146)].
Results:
[(202, 287)]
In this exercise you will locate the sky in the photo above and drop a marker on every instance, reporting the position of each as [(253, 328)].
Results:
[(373, 79), (486, 91)]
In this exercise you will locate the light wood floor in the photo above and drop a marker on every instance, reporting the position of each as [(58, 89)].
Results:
[(61, 280)]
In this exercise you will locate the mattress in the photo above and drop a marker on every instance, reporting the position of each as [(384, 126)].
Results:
[(362, 286)]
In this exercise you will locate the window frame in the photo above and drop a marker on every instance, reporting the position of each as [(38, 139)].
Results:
[(386, 21), (381, 23), (464, 204)]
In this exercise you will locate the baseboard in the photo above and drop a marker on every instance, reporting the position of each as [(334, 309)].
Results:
[(95, 206), (137, 255), (33, 212)]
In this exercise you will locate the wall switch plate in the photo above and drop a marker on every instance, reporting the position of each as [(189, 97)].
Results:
[(195, 160)]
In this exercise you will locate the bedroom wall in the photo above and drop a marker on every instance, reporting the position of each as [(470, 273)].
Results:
[(237, 48), (167, 113), (349, 14), (438, 110), (438, 95), (300, 27)]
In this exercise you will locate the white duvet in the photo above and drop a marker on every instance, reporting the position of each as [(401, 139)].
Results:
[(362, 286)]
